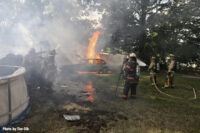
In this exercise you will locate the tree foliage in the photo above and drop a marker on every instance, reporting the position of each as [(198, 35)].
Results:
[(156, 27)]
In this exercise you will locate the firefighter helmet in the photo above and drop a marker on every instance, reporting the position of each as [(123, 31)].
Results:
[(171, 55), (132, 55), (153, 58)]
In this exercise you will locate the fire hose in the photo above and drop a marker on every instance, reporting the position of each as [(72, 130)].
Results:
[(171, 96)]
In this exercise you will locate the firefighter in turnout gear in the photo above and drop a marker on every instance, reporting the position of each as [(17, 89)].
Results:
[(34, 71), (152, 69), (131, 77), (50, 69), (170, 73)]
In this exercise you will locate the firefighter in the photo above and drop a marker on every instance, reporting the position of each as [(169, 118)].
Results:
[(170, 73), (50, 69), (29, 64), (30, 59), (131, 77), (33, 67), (152, 69)]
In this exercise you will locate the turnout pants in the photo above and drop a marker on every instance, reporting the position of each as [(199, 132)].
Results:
[(169, 82), (129, 86)]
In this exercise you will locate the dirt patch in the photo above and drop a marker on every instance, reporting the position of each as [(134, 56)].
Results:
[(90, 120)]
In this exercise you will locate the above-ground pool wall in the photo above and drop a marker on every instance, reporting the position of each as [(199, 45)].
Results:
[(14, 98)]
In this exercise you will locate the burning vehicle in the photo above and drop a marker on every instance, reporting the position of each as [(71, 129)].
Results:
[(96, 66), (89, 66), (93, 63)]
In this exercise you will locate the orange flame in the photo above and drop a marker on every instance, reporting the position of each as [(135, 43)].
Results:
[(91, 53), (89, 92), (87, 72)]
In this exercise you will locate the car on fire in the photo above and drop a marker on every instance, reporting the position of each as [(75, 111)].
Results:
[(98, 66), (87, 66)]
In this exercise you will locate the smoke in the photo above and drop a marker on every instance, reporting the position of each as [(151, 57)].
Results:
[(62, 24), (47, 24)]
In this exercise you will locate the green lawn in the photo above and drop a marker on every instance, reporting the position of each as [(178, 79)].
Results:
[(150, 112), (153, 112)]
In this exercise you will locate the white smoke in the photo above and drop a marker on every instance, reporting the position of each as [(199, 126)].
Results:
[(25, 24), (45, 24)]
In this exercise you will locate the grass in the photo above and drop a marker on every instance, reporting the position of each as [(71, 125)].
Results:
[(154, 112), (151, 112)]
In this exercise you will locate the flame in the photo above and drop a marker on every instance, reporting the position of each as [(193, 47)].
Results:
[(89, 92), (93, 57), (91, 53), (87, 72)]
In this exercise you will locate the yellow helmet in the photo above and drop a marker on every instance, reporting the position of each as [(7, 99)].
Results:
[(153, 58)]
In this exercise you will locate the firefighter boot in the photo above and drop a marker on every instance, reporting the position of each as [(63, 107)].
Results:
[(124, 97)]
